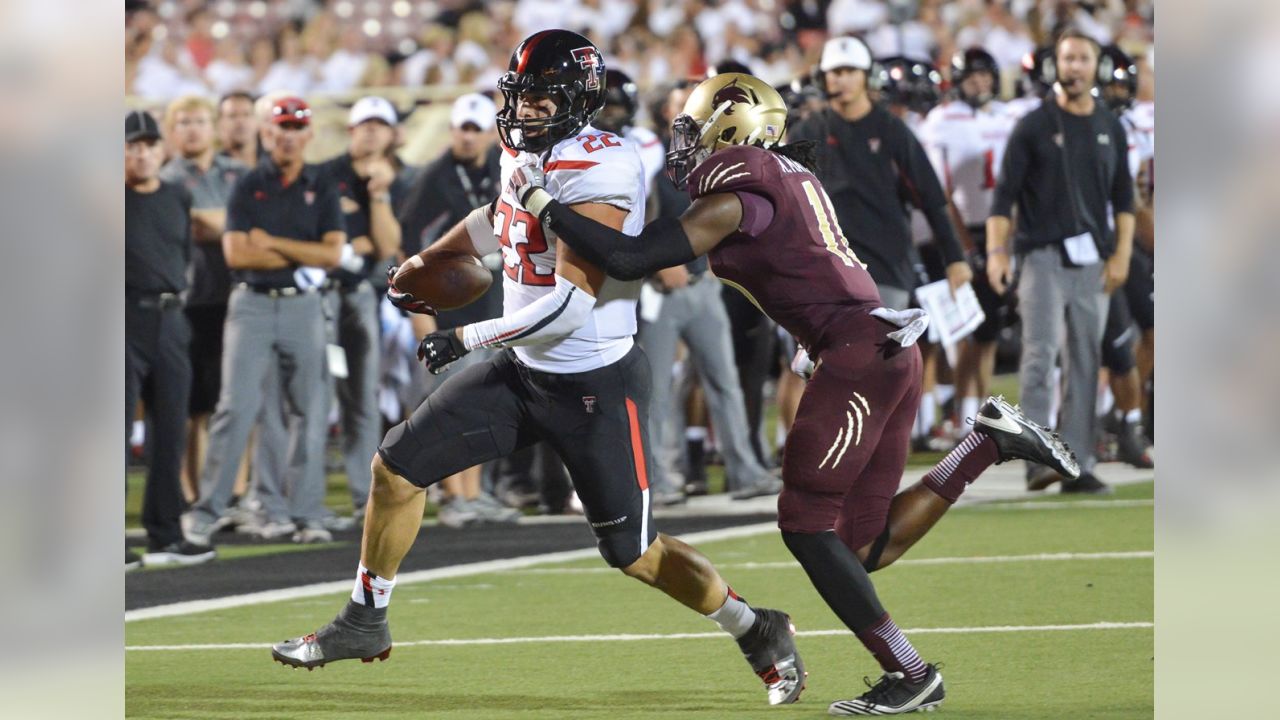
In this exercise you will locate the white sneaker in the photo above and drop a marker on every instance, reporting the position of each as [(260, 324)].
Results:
[(275, 529), (457, 513), (312, 534), (490, 510)]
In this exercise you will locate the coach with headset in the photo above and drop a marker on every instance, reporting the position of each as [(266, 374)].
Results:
[(1065, 162), (870, 164)]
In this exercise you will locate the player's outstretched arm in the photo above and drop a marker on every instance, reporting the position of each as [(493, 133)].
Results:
[(662, 244)]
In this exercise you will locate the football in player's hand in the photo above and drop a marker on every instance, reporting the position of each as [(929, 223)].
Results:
[(444, 279)]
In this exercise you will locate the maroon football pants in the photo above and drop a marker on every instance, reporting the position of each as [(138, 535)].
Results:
[(846, 452)]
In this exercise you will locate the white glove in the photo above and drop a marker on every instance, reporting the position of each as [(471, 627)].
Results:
[(524, 184), (802, 365), (350, 261), (913, 323)]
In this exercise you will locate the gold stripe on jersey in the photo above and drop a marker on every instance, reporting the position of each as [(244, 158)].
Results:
[(834, 239), (742, 290)]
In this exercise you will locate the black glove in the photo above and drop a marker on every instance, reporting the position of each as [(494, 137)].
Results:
[(405, 301), (439, 349)]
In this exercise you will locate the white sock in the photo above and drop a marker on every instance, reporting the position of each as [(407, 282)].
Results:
[(1106, 401), (735, 616), (927, 416), (693, 433), (139, 434), (943, 393), (1134, 416), (969, 408), (371, 590)]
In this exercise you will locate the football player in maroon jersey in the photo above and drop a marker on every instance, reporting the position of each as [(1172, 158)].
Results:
[(769, 230)]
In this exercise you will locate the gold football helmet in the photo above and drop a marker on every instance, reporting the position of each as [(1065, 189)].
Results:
[(728, 109)]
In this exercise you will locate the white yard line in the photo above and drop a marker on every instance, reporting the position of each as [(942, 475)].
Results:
[(792, 565), (677, 636)]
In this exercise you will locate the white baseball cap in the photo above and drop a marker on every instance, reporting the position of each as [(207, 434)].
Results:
[(373, 108), (845, 52), (474, 108)]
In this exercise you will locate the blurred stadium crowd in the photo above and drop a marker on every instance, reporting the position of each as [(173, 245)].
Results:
[(394, 99)]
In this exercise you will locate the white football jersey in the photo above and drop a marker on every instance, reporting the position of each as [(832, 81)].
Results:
[(1017, 107), (966, 147), (1140, 125), (590, 167), (652, 155)]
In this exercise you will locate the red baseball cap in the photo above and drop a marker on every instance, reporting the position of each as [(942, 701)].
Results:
[(290, 110)]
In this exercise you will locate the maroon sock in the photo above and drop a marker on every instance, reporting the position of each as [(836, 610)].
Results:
[(962, 465), (892, 649)]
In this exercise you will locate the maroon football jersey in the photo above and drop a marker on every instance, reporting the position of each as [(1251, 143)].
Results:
[(799, 268)]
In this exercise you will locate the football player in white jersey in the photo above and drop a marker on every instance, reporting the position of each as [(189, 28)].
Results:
[(570, 375), (621, 101), (1134, 303), (909, 90), (965, 138)]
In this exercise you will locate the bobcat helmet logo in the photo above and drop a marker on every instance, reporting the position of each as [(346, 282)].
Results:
[(589, 59), (733, 94)]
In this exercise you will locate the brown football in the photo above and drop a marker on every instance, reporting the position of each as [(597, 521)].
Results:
[(445, 279)]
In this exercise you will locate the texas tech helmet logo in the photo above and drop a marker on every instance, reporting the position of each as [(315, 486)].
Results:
[(589, 59), (733, 94)]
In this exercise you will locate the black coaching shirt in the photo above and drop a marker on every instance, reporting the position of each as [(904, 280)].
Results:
[(356, 203), (444, 193), (157, 239), (304, 210), (870, 168), (1061, 170)]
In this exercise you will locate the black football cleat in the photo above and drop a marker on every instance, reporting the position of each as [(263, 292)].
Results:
[(358, 631), (770, 649), (895, 695), (1017, 438)]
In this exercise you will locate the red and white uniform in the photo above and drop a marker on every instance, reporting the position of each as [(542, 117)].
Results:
[(966, 147), (591, 167), (1140, 125), (652, 155)]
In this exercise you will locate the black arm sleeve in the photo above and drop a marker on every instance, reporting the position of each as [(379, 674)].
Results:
[(662, 244)]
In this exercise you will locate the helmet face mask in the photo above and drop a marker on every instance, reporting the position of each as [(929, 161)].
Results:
[(967, 63), (686, 149), (563, 67), (725, 110)]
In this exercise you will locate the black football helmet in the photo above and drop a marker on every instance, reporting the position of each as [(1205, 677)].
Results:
[(915, 84), (620, 90), (563, 66), (1117, 78), (1039, 72), (974, 60)]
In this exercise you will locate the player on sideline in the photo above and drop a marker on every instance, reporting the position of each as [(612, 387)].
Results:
[(572, 377), (768, 228)]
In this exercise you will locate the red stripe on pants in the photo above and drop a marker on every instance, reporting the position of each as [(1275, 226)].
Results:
[(637, 444)]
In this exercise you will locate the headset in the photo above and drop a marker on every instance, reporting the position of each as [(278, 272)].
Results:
[(875, 74)]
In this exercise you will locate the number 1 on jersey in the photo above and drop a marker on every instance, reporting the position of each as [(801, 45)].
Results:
[(829, 226)]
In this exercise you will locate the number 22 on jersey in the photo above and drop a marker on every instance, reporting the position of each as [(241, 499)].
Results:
[(828, 226), (520, 235)]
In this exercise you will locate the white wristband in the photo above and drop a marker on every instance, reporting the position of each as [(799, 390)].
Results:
[(535, 201)]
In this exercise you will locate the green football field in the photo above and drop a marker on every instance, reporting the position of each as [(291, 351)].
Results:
[(1036, 609)]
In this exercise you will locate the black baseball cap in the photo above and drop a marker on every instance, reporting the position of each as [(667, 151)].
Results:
[(140, 125)]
